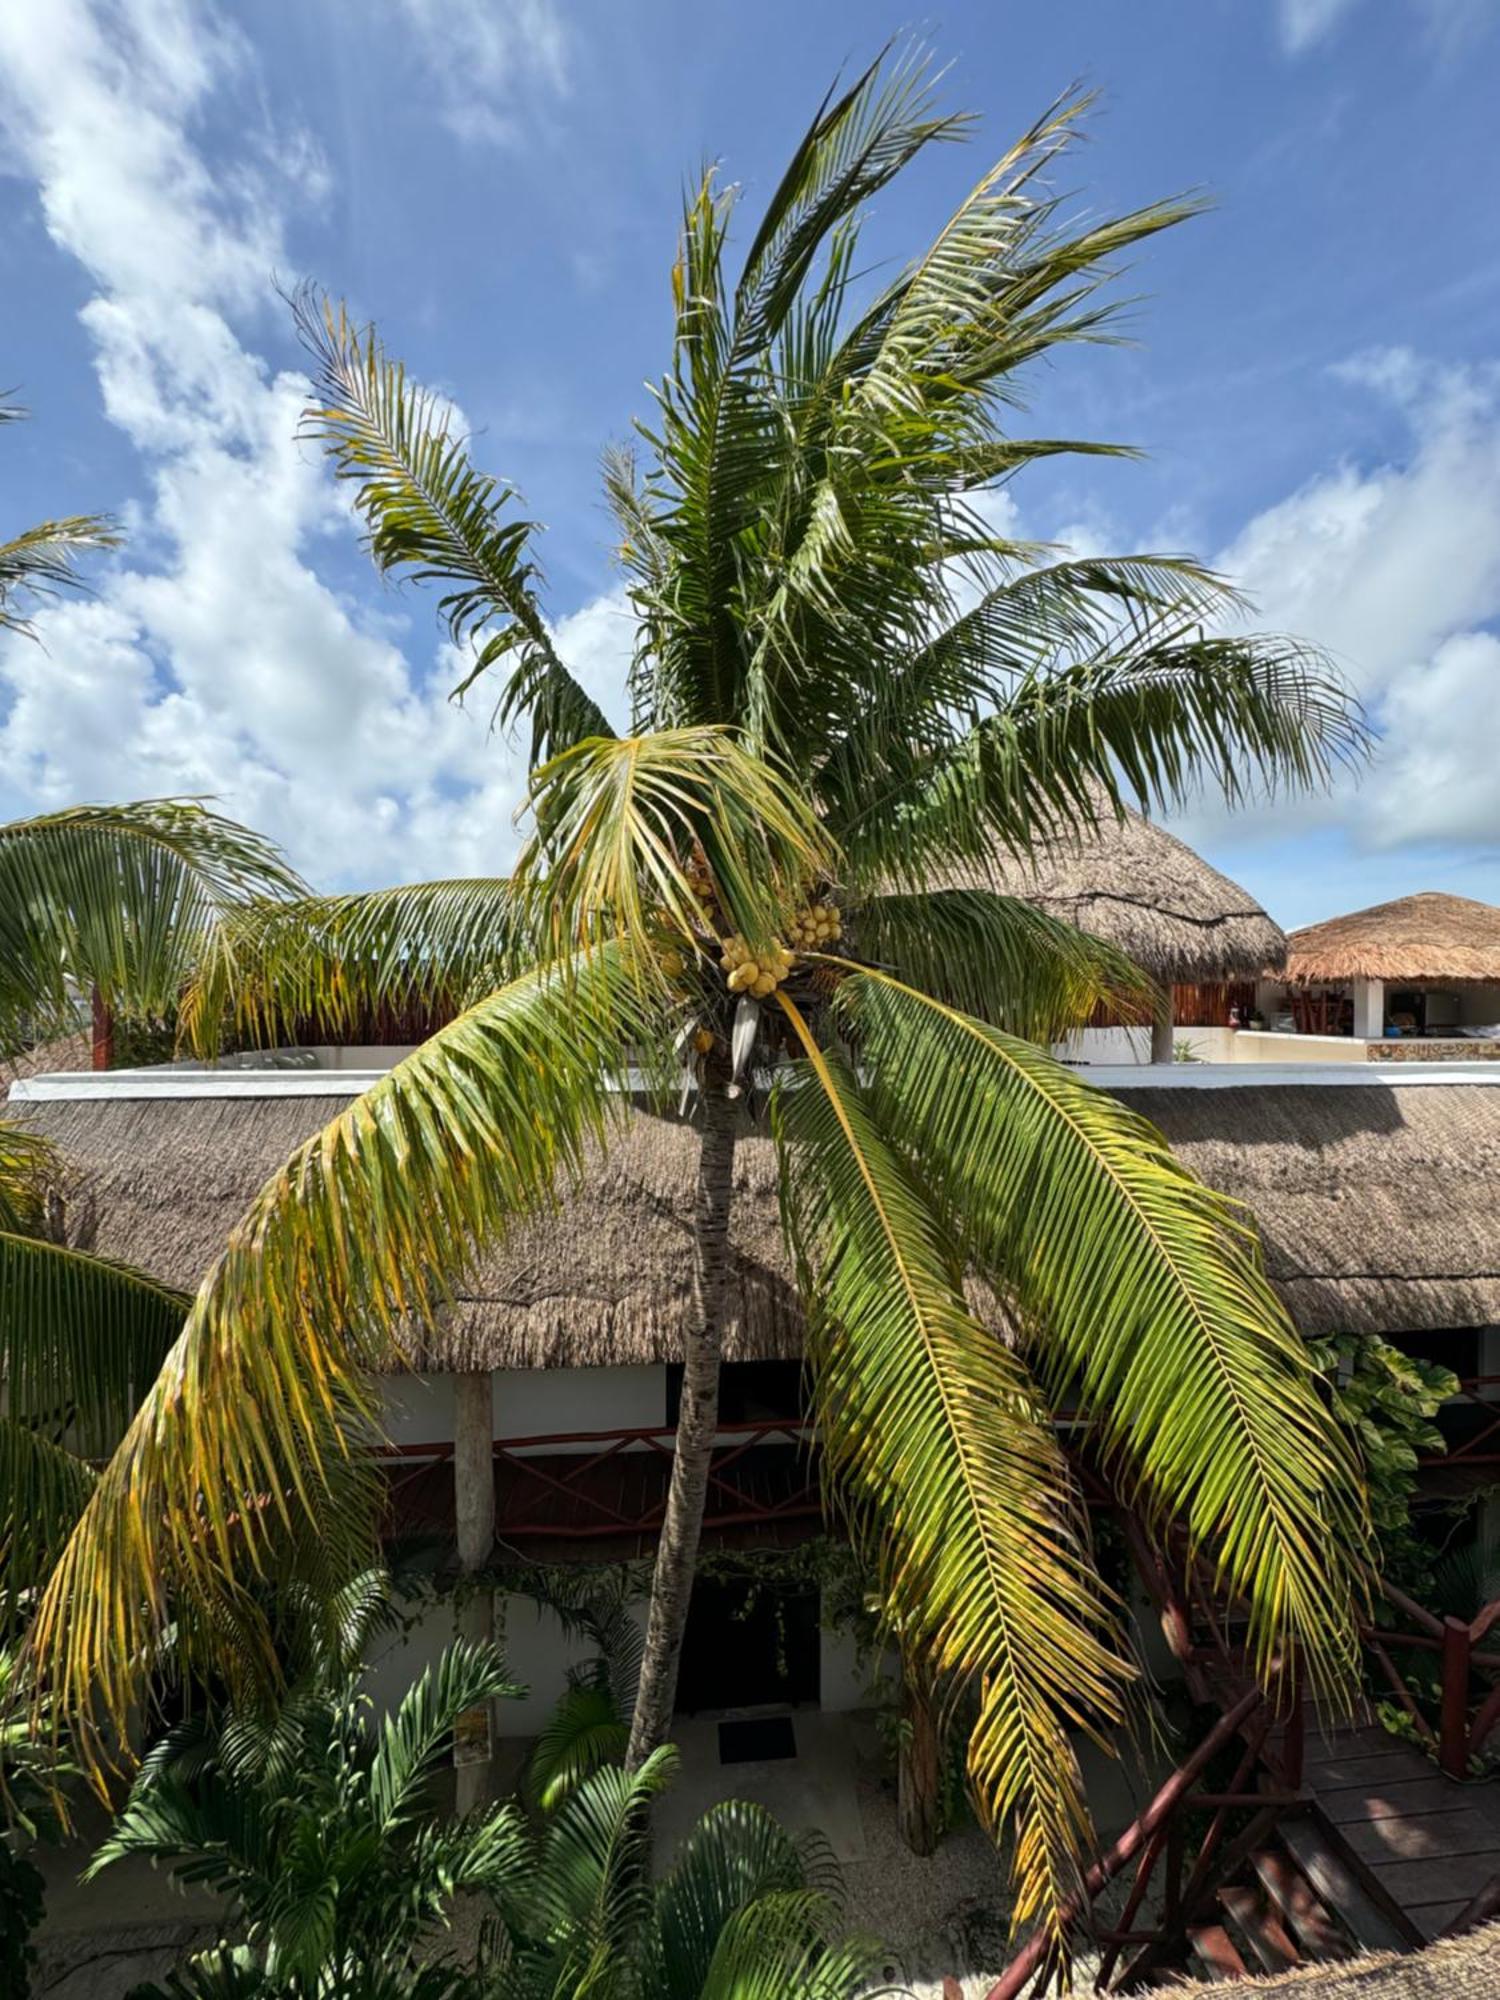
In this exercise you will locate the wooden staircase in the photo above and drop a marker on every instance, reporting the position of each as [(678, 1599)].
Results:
[(1385, 1855)]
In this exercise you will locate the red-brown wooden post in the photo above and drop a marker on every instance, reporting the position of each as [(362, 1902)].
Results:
[(1453, 1731), (104, 1032)]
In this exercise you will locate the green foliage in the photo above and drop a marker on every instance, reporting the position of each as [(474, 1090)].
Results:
[(316, 1825), (30, 1774), (1388, 1401)]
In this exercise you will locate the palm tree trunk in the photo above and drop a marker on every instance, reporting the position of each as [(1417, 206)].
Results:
[(919, 1770), (474, 1520), (697, 1421)]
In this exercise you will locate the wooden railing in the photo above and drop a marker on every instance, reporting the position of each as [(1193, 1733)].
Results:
[(1463, 1725), (567, 1465)]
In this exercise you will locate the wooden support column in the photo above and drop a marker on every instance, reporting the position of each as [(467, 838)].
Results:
[(474, 1519), (919, 1771)]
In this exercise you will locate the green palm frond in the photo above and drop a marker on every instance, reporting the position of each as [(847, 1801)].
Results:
[(618, 823), (1001, 959), (124, 898), (81, 1340), (591, 1897), (29, 1170), (1143, 1291), (431, 514), (329, 964), (584, 1731), (356, 1240), (41, 562), (938, 1439), (413, 1739), (781, 1947), (736, 1856)]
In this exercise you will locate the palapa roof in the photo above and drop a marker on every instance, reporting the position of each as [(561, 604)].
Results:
[(1461, 1968), (1129, 881), (1430, 936), (1377, 1205)]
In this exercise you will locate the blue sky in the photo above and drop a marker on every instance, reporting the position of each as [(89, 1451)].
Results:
[(496, 182)]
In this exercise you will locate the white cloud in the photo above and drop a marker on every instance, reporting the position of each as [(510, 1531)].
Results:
[(486, 58), (224, 665), (1304, 22), (1447, 24), (1395, 569)]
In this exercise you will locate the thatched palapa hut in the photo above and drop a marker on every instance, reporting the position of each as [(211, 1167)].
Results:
[(1461, 1968), (1427, 965), (1129, 881)]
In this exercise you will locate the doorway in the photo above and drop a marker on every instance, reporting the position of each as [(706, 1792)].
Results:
[(749, 1645)]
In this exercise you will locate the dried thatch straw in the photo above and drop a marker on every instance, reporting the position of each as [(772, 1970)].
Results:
[(1376, 1204), (1134, 884), (1462, 1968), (1425, 937)]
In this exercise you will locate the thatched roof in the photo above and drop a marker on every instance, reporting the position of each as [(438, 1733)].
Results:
[(1136, 885), (1377, 1203), (1425, 937), (71, 1054), (1462, 1968)]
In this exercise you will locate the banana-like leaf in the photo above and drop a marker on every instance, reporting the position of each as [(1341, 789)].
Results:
[(1001, 959), (618, 822), (1144, 1291), (937, 1435), (124, 898), (432, 515), (238, 1445), (331, 964)]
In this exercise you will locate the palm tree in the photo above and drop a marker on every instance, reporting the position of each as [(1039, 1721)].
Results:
[(847, 682), (127, 900)]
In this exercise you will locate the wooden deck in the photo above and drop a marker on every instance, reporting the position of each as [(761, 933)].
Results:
[(1431, 1843)]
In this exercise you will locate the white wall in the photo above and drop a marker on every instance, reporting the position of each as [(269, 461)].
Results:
[(532, 1402)]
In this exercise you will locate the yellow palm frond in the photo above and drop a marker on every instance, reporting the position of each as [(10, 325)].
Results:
[(939, 1438)]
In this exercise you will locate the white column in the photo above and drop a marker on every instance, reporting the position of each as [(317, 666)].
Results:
[(1369, 1009), (474, 1520)]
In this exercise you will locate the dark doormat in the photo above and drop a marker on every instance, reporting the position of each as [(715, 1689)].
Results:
[(761, 1740)]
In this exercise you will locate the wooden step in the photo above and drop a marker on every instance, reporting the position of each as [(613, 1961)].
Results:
[(1215, 1948), (1261, 1928), (1367, 1910), (1314, 1929)]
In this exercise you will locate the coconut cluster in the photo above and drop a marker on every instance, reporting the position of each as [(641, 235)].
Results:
[(814, 927), (752, 973)]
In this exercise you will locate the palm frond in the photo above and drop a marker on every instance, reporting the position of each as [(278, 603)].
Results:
[(330, 964), (938, 1438), (81, 1340), (1001, 959), (124, 898), (591, 1896), (29, 1170), (1143, 1291), (782, 1948), (42, 561), (618, 824), (434, 516), (585, 1730), (413, 1739), (350, 1245)]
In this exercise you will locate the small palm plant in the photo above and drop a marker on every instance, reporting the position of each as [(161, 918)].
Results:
[(744, 1908), (315, 1823), (849, 686)]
